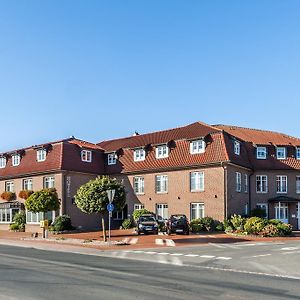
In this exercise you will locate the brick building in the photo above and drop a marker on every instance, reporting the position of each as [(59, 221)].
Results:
[(198, 169)]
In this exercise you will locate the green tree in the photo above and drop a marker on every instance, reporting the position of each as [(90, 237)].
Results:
[(92, 196)]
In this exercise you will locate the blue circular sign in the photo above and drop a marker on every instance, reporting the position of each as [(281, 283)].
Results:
[(110, 207)]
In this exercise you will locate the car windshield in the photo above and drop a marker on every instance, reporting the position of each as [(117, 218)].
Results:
[(179, 217), (147, 219)]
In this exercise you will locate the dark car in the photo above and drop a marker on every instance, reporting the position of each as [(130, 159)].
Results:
[(147, 224), (178, 224)]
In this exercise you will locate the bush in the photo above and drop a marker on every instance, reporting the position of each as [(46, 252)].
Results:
[(228, 229), (284, 229), (14, 227), (219, 226), (237, 222), (24, 194), (8, 196), (208, 223), (254, 225), (62, 223), (196, 225), (275, 222), (269, 231), (127, 224), (138, 212), (20, 220)]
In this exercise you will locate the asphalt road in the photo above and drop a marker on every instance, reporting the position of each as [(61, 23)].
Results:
[(37, 274)]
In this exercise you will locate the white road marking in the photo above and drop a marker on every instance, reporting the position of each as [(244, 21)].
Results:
[(289, 248), (170, 243), (159, 241), (223, 257), (290, 252), (163, 253), (207, 256), (176, 254), (262, 255), (217, 245), (136, 251), (150, 252), (133, 241), (191, 255), (211, 236), (248, 245)]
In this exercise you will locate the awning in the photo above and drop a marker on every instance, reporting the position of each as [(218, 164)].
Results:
[(13, 204), (284, 199)]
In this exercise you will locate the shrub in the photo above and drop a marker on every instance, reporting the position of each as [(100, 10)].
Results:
[(284, 229), (196, 225), (207, 223), (254, 225), (8, 196), (14, 227), (219, 226), (237, 222), (138, 212), (275, 222), (269, 230), (258, 212), (20, 220), (62, 223), (127, 224), (228, 229), (24, 194)]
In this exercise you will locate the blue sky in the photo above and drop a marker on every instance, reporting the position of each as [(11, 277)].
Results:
[(103, 69)]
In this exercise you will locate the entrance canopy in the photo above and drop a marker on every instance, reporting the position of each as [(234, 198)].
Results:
[(284, 199)]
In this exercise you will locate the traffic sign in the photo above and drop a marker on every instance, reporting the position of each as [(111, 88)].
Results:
[(111, 195), (110, 207)]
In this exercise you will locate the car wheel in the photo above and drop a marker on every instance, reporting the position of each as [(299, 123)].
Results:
[(139, 233), (188, 232)]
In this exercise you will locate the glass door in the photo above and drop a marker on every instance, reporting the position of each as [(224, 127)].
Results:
[(281, 212)]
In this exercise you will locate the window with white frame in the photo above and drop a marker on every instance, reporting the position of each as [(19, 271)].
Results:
[(7, 214), (16, 159), (261, 152), (139, 154), (162, 211), (237, 147), (197, 146), (27, 184), (298, 184), (264, 208), (197, 210), (162, 151), (111, 158), (197, 181), (118, 215), (86, 155), (9, 186), (41, 154), (261, 184), (238, 181), (2, 162), (138, 206), (281, 152), (297, 152), (281, 211), (139, 185), (246, 183), (281, 184), (161, 183), (35, 218), (49, 182)]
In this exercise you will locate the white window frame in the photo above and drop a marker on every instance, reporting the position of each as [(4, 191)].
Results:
[(262, 179), (139, 185), (39, 217), (162, 151), (9, 186), (3, 162), (197, 146), (111, 158), (281, 184), (139, 154), (198, 184), (237, 147), (246, 186), (281, 211), (41, 155), (162, 210), (8, 215), (281, 150), (261, 152), (199, 209), (263, 206), (297, 152), (161, 184), (50, 181), (138, 206), (238, 182), (86, 156), (15, 160), (298, 184), (27, 183)]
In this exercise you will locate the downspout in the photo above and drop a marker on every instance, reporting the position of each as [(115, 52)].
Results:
[(225, 191)]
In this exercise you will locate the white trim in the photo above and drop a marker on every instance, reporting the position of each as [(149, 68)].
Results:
[(139, 154), (3, 162), (261, 152), (197, 146), (199, 208), (162, 151), (199, 183), (261, 185), (163, 180), (41, 155), (86, 155), (111, 158), (279, 179), (278, 149), (15, 160)]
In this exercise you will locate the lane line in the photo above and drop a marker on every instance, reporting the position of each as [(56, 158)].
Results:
[(191, 255), (176, 254), (207, 256), (262, 255), (223, 258)]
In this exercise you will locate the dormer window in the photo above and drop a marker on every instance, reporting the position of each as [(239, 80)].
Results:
[(111, 158), (281, 153), (261, 152), (2, 162), (41, 155), (237, 147), (197, 146), (16, 159), (139, 154), (162, 151), (297, 152), (86, 155)]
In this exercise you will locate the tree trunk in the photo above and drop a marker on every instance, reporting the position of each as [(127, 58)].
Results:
[(44, 235), (103, 229)]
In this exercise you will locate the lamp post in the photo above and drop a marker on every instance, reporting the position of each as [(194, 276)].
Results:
[(110, 208)]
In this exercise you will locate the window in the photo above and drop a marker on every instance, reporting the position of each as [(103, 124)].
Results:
[(297, 153), (118, 214), (161, 184), (197, 211), (139, 154), (111, 158), (238, 180), (139, 185), (138, 206), (16, 158), (281, 184), (162, 151), (281, 212), (246, 183), (264, 208), (298, 184), (7, 214), (197, 146), (281, 153), (49, 182), (197, 181), (27, 184), (41, 155), (9, 186), (162, 211), (261, 184), (261, 152), (35, 218), (246, 209), (237, 147), (2, 162), (86, 155)]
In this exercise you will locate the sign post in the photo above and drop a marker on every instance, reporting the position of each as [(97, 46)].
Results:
[(110, 208)]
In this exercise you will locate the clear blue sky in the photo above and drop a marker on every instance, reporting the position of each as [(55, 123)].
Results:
[(102, 69)]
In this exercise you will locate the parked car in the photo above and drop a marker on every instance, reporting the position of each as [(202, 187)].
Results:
[(147, 224), (178, 224)]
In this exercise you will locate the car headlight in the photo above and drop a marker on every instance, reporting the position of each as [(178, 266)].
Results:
[(155, 226), (140, 226)]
